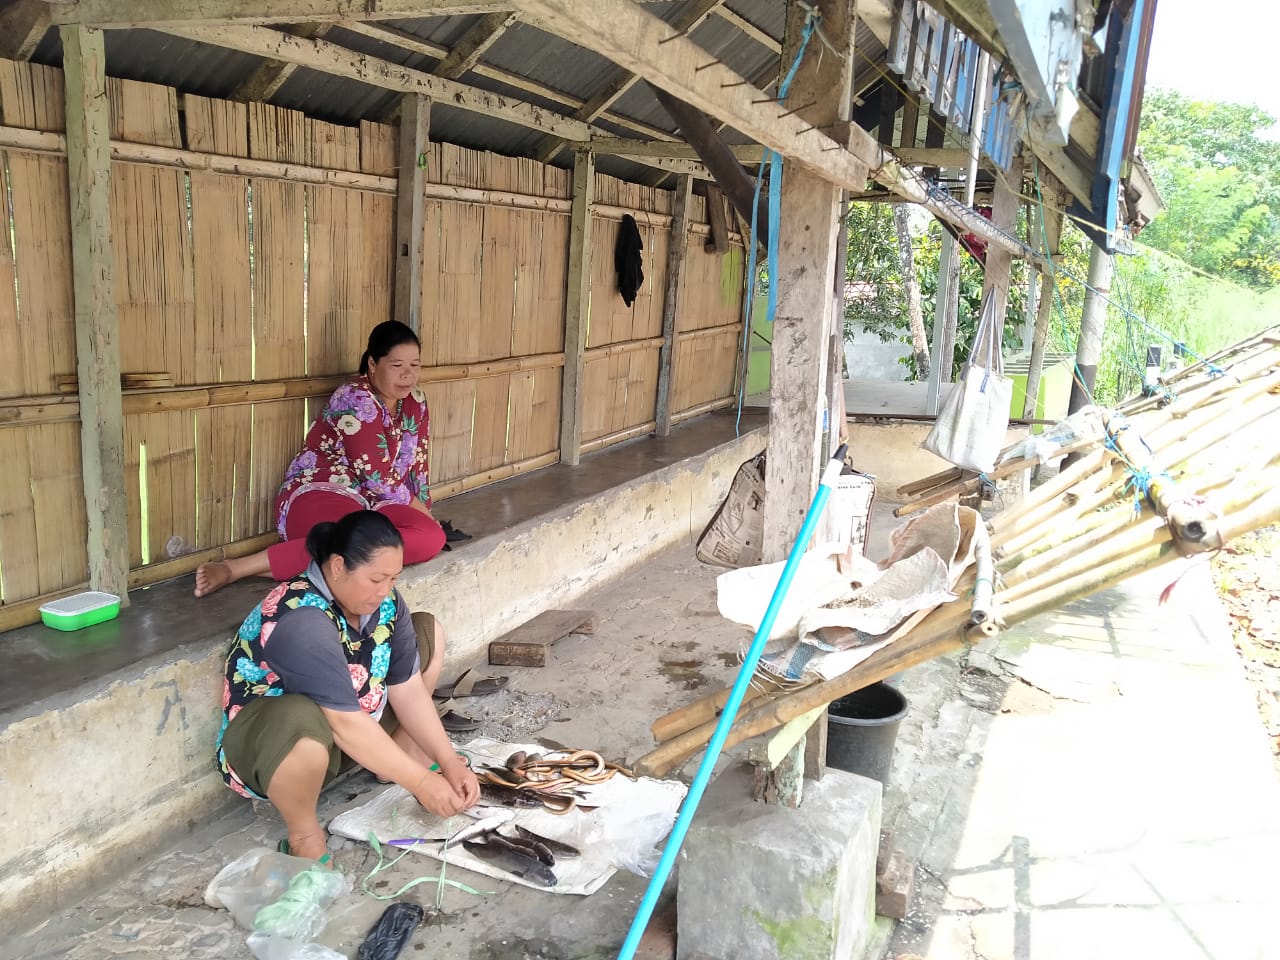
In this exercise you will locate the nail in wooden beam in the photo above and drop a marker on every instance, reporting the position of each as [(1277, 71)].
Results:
[(415, 127), (577, 306), (97, 323)]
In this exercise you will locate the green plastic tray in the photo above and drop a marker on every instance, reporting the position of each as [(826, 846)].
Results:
[(82, 610)]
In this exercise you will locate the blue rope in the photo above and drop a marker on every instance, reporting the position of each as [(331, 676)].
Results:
[(774, 162)]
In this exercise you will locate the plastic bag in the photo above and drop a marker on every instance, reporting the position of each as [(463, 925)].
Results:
[(266, 947), (631, 844), (391, 932), (250, 882), (299, 912), (974, 419)]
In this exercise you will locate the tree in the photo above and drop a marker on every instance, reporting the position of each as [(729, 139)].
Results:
[(1221, 185), (915, 315)]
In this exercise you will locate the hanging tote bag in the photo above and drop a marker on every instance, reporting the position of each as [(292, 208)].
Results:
[(972, 424)]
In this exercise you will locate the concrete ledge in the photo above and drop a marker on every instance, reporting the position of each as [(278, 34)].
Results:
[(95, 776)]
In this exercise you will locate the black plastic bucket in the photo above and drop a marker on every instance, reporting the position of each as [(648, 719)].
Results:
[(862, 728)]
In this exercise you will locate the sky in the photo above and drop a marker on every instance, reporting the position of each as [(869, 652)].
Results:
[(1227, 56)]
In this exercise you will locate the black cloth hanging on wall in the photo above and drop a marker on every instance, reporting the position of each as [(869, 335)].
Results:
[(627, 259)]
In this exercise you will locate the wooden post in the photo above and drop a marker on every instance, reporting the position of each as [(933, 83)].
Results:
[(1093, 321), (1044, 311), (815, 748), (943, 320), (806, 261), (97, 325), (836, 431), (577, 306), (415, 127), (676, 247), (1004, 214)]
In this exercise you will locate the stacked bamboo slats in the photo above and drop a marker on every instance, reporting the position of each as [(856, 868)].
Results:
[(1169, 482)]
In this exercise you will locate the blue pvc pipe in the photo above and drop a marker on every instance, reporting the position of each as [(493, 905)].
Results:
[(690, 806)]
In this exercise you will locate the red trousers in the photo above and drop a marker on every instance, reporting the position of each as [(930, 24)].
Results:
[(423, 537)]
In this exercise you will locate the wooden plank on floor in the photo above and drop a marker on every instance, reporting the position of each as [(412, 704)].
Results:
[(526, 645)]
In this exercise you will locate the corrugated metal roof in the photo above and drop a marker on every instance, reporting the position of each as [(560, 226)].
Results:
[(159, 58), (522, 49)]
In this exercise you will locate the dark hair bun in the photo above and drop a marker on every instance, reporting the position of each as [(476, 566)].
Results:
[(355, 538)]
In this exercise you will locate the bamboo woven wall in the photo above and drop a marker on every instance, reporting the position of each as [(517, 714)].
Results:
[(709, 321), (620, 375), (245, 295), (493, 294)]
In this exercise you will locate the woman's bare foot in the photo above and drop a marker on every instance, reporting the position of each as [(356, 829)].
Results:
[(212, 577), (216, 574), (311, 845)]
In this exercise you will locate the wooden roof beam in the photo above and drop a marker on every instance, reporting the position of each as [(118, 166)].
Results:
[(622, 147), (654, 50), (271, 75), (394, 36), (762, 37), (22, 27), (694, 14), (330, 58), (467, 52), (117, 14)]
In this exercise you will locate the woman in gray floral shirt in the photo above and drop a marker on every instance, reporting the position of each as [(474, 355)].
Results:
[(366, 451)]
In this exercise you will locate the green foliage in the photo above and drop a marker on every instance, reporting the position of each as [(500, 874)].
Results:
[(1221, 184), (879, 303), (1207, 273)]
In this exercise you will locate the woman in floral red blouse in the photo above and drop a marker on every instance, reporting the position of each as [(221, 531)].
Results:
[(366, 451)]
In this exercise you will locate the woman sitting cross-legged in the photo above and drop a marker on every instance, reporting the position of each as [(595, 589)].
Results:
[(311, 671), (366, 450)]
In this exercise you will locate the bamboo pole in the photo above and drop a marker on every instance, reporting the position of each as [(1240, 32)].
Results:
[(630, 433), (944, 630), (703, 710), (24, 411), (625, 347), (931, 481), (701, 408), (445, 490)]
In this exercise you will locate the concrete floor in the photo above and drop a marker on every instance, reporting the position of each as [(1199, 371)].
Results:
[(1093, 785)]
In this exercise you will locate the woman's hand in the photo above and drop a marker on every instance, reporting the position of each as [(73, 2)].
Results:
[(439, 796), (462, 779)]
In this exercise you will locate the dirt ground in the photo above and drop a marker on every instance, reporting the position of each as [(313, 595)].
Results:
[(1247, 575)]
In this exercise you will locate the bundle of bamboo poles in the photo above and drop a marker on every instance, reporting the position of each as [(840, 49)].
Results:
[(1176, 475)]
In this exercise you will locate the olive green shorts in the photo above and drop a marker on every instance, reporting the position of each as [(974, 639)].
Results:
[(266, 729)]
